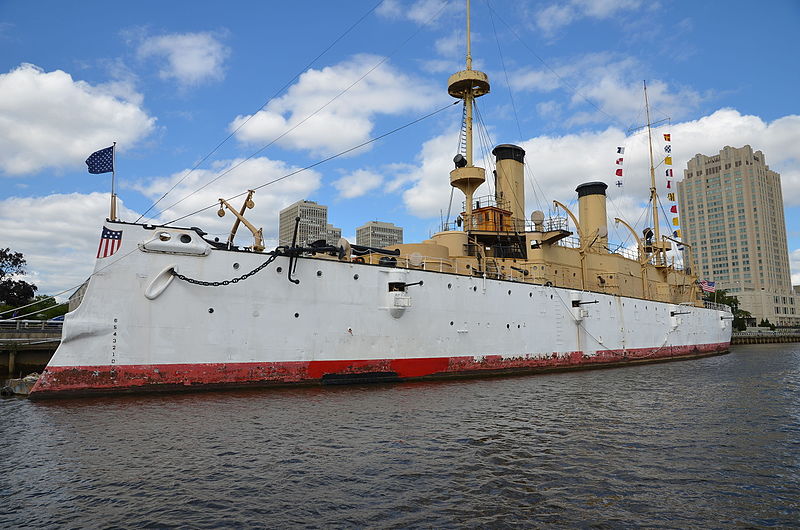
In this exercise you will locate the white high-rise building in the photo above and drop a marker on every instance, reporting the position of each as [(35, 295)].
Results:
[(379, 234), (313, 224), (731, 209)]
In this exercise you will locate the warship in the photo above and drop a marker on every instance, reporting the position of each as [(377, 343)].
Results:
[(495, 292)]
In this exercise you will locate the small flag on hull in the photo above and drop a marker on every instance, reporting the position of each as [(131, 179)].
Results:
[(110, 241)]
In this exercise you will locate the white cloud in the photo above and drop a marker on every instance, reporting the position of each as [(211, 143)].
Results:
[(603, 87), (60, 247), (188, 58), (423, 12), (794, 266), (357, 183), (429, 179), (250, 174), (326, 124), (47, 119), (560, 163), (554, 17)]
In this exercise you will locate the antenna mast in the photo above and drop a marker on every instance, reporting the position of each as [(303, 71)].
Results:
[(659, 247), (467, 85)]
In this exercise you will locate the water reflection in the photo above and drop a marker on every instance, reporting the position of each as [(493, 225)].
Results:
[(709, 442)]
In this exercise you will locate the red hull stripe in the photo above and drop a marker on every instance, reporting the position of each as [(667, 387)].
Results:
[(112, 378)]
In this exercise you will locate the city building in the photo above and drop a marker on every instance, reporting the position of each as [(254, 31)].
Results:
[(378, 234), (731, 209), (313, 224)]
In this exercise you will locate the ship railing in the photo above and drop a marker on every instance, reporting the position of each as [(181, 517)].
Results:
[(487, 200), (570, 242), (716, 306), (427, 263)]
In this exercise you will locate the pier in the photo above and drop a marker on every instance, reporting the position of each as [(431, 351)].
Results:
[(27, 345)]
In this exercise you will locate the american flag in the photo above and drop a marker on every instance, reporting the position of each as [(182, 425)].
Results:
[(110, 240), (101, 161), (708, 286)]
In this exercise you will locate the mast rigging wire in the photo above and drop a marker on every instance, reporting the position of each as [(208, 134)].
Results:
[(337, 96), (337, 155), (273, 96)]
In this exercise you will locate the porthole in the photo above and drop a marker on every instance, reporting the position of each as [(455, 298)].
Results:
[(551, 297), (236, 266), (297, 315), (509, 291), (508, 326), (518, 326), (530, 295), (474, 287), (186, 238), (319, 274), (449, 285), (210, 309), (355, 276), (279, 270), (451, 322)]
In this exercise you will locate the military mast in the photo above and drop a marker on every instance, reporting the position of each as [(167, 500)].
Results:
[(467, 85), (659, 248)]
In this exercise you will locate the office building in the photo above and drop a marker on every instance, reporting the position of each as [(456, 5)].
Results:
[(378, 234), (731, 209), (313, 224)]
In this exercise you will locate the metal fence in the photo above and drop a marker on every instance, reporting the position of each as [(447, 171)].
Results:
[(31, 326)]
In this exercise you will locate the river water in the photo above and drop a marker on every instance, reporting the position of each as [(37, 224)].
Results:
[(712, 442)]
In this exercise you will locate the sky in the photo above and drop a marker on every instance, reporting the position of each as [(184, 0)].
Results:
[(206, 100)]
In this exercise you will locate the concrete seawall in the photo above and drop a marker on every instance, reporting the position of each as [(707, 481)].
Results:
[(765, 337)]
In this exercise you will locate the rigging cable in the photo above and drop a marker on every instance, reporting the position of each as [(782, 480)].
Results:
[(561, 79), (529, 174), (319, 162), (273, 96), (337, 96)]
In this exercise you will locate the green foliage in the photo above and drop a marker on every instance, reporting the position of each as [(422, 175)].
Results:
[(14, 293), (739, 315), (766, 324)]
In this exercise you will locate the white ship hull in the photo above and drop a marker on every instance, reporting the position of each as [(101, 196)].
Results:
[(141, 329)]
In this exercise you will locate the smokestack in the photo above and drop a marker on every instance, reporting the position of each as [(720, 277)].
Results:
[(510, 181), (592, 214)]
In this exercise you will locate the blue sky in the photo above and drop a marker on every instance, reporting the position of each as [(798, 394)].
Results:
[(169, 81)]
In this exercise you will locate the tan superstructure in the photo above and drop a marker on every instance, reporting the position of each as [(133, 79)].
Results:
[(493, 237)]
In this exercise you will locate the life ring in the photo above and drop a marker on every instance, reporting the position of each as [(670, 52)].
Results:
[(358, 259)]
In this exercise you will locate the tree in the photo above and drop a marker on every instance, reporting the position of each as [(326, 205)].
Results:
[(740, 316), (14, 292)]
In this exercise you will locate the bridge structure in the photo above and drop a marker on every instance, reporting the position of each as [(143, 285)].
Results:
[(27, 345)]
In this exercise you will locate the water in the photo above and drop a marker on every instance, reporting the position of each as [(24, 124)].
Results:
[(706, 443)]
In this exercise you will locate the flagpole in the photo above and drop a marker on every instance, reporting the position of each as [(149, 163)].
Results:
[(113, 176)]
